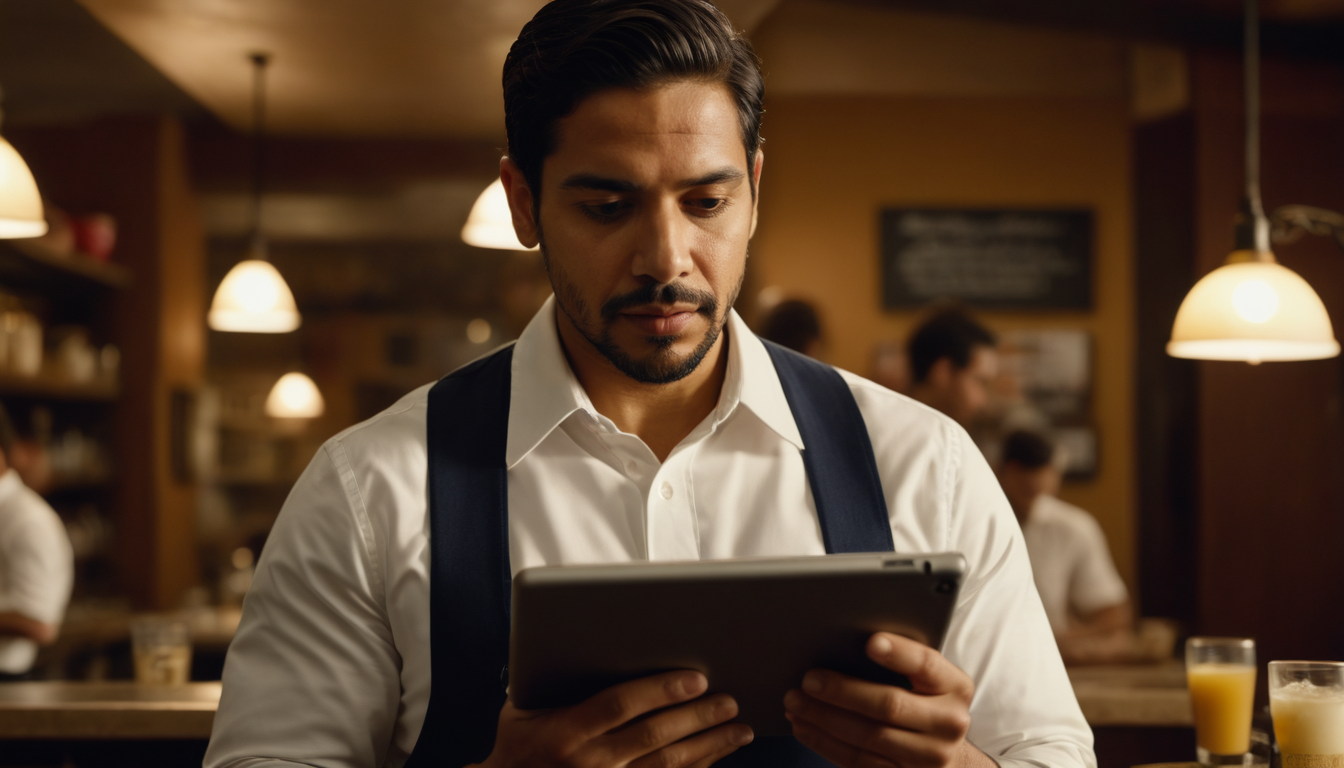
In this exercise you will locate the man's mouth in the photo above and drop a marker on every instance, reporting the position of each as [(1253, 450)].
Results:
[(661, 320)]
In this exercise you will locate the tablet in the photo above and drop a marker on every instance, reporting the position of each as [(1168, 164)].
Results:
[(752, 626)]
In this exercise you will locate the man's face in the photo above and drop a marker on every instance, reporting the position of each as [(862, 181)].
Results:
[(646, 210), (962, 393), (1024, 486)]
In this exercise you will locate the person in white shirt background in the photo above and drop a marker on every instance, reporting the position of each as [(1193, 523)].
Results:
[(1084, 596), (645, 422), (36, 566)]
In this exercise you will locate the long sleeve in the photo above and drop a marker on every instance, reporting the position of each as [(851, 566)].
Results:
[(1024, 711), (313, 674)]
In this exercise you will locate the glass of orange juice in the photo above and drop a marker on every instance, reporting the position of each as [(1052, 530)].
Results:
[(1221, 675), (1306, 699)]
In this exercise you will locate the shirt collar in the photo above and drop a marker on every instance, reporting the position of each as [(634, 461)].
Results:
[(544, 391)]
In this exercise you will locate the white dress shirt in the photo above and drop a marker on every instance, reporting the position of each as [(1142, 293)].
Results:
[(36, 566), (1072, 565), (331, 664)]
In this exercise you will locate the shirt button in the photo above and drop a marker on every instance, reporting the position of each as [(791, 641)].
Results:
[(632, 467), (666, 490)]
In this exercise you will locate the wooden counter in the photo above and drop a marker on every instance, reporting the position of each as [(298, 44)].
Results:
[(1109, 696), (1133, 695), (112, 710)]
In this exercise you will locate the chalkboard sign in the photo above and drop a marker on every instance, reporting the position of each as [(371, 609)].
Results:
[(1009, 259)]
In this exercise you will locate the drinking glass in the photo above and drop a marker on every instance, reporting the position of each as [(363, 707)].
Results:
[(1306, 699), (1221, 675), (162, 651)]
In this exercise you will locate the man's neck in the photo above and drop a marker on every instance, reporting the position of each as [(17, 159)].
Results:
[(661, 415)]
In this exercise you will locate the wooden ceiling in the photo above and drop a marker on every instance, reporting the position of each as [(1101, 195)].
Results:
[(342, 67)]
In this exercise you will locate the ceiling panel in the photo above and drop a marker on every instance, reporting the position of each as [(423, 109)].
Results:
[(342, 67)]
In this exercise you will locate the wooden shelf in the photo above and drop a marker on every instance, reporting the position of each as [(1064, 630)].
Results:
[(29, 264), (48, 387)]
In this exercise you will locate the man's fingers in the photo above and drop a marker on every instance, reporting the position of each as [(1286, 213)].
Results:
[(886, 704), (835, 750), (664, 729), (699, 751), (622, 703), (928, 670), (896, 744)]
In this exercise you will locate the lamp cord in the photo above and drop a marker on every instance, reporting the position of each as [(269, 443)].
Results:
[(1253, 229), (259, 61)]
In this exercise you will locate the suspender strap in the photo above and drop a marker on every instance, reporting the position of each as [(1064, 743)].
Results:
[(470, 578), (837, 455)]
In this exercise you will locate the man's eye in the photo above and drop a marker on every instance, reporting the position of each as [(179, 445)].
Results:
[(604, 211), (708, 204)]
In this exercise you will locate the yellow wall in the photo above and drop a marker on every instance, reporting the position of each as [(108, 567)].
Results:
[(833, 161)]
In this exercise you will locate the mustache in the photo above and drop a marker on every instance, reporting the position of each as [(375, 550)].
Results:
[(662, 293)]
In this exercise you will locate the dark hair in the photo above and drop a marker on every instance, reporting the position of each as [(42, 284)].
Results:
[(574, 48), (951, 333), (793, 323), (1029, 450), (7, 434)]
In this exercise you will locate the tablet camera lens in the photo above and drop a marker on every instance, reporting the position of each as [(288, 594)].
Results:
[(946, 586)]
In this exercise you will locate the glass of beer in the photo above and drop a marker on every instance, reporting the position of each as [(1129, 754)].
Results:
[(1306, 699), (1221, 675), (162, 650)]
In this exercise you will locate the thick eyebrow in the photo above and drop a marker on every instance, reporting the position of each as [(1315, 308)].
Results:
[(608, 184)]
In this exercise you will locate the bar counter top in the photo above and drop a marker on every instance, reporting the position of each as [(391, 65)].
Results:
[(1132, 695), (107, 710)]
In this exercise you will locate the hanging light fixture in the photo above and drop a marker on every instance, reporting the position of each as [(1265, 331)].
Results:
[(295, 396), (253, 297), (21, 212), (490, 224), (1252, 308)]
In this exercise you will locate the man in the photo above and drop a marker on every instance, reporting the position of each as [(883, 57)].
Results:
[(953, 364), (642, 420), (1084, 597), (36, 567)]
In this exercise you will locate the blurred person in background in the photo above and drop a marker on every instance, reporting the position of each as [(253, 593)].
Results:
[(1085, 599), (953, 364), (36, 567), (795, 324)]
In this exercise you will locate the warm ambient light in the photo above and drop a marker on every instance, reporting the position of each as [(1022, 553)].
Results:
[(1252, 311), (253, 298), (294, 396), (20, 204), (490, 224)]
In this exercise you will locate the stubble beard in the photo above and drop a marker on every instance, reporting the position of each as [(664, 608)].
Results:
[(663, 365)]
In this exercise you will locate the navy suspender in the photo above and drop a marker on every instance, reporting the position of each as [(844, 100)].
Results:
[(470, 577)]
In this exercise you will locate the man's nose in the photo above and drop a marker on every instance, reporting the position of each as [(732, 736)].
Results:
[(663, 251)]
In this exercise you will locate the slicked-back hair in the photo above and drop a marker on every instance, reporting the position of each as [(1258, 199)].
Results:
[(952, 334), (574, 48)]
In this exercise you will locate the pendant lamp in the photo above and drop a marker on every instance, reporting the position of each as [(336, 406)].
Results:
[(1252, 308), (253, 297), (294, 396), (490, 224), (21, 212)]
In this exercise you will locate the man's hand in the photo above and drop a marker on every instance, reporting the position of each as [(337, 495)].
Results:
[(859, 724), (654, 722)]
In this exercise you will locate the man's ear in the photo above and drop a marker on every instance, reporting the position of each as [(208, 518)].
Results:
[(520, 202), (756, 182)]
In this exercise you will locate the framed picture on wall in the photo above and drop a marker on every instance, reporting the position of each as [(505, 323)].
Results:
[(989, 258)]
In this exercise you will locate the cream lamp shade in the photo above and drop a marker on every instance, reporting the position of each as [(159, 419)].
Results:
[(490, 224), (294, 396), (20, 204), (1252, 311), (253, 298)]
